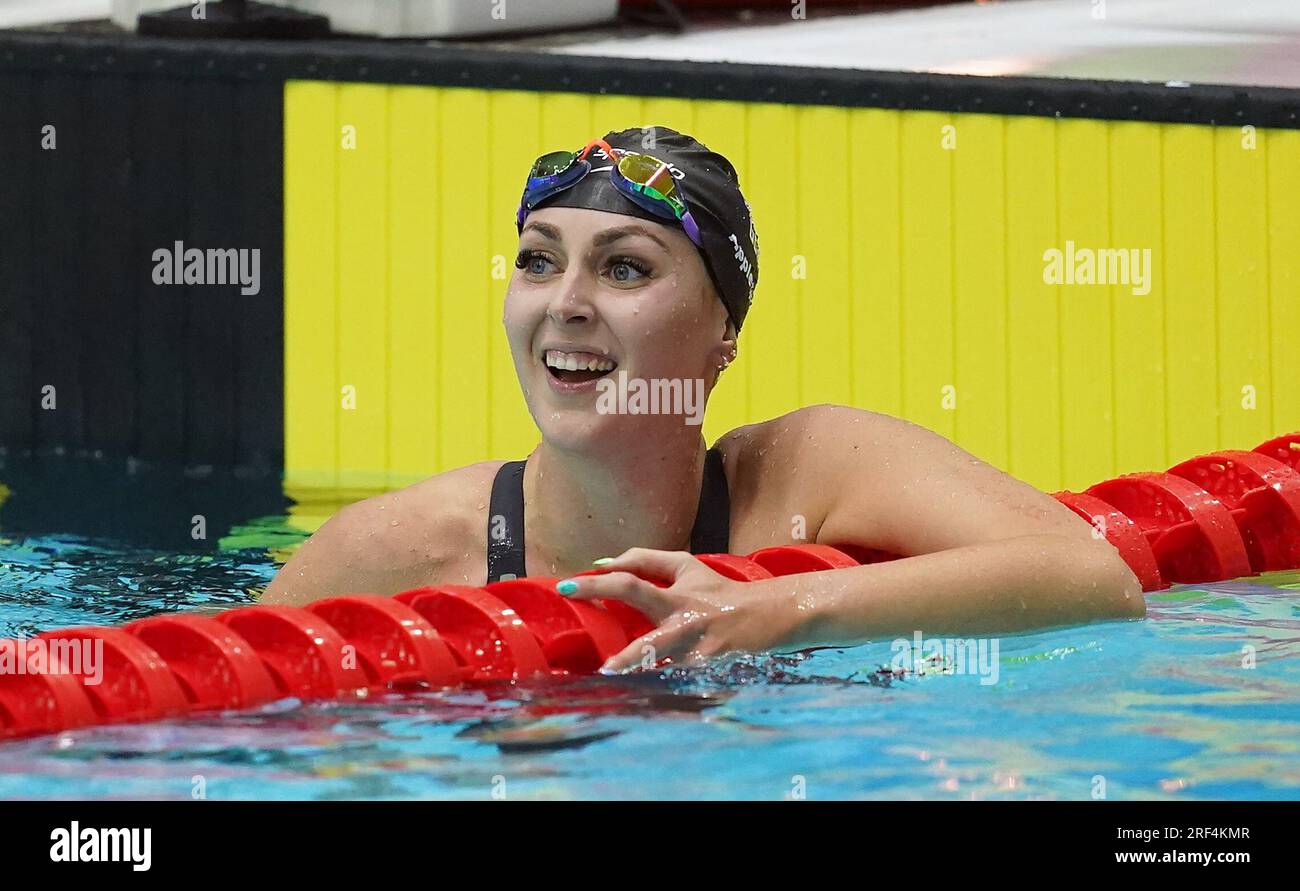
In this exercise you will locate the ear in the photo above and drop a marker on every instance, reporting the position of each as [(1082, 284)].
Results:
[(727, 347), (729, 338)]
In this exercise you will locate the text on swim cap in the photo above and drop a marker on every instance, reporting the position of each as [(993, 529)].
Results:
[(743, 261)]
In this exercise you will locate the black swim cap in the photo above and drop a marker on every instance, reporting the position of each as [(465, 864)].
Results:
[(712, 191)]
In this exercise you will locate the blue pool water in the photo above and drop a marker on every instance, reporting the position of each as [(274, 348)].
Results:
[(1160, 708)]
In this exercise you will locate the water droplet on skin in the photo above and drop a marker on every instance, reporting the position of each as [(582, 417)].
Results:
[(393, 523)]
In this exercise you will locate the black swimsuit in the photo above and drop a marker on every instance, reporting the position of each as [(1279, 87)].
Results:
[(505, 542)]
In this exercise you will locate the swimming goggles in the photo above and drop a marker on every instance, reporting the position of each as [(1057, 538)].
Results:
[(642, 178)]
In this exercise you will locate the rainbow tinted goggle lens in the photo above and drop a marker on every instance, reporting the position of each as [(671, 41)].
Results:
[(642, 178)]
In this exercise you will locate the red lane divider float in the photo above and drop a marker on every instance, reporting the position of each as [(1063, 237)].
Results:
[(1263, 496), (1219, 516), (216, 668), (791, 559), (487, 637), (1284, 448), (575, 635), (396, 646), (735, 567), (1121, 532), (1194, 537), (123, 677), (305, 656), (34, 699)]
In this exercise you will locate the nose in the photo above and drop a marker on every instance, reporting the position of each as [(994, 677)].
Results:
[(571, 303)]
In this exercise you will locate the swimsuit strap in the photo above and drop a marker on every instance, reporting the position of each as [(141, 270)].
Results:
[(505, 542), (505, 532), (712, 531)]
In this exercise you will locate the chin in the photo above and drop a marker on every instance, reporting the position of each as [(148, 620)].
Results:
[(576, 429)]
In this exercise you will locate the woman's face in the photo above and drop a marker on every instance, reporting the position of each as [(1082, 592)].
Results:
[(595, 296)]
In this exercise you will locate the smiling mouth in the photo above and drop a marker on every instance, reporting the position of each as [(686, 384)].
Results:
[(577, 367)]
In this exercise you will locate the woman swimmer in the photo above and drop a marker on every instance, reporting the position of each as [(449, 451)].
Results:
[(637, 261)]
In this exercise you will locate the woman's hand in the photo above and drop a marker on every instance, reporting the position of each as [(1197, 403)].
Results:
[(701, 614)]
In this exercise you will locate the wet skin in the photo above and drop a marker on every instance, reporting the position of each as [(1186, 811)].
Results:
[(984, 552)]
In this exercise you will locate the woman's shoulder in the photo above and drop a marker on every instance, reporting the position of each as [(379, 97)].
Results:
[(433, 529), (803, 430), (810, 449), (446, 507), (459, 484)]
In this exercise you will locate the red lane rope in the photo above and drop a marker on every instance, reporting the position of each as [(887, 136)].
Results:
[(1222, 515)]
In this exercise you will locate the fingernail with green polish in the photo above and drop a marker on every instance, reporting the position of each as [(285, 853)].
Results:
[(602, 561), (568, 586)]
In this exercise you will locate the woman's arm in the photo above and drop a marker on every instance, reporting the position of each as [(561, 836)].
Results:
[(898, 487), (992, 554), (1003, 586), (1007, 585)]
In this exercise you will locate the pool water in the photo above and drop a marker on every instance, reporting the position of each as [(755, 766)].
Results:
[(1199, 700)]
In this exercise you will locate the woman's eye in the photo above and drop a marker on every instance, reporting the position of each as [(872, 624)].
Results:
[(626, 269), (532, 262)]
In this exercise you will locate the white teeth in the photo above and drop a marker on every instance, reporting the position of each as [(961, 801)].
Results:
[(570, 362)]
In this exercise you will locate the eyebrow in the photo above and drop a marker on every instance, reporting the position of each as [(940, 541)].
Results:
[(609, 236)]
